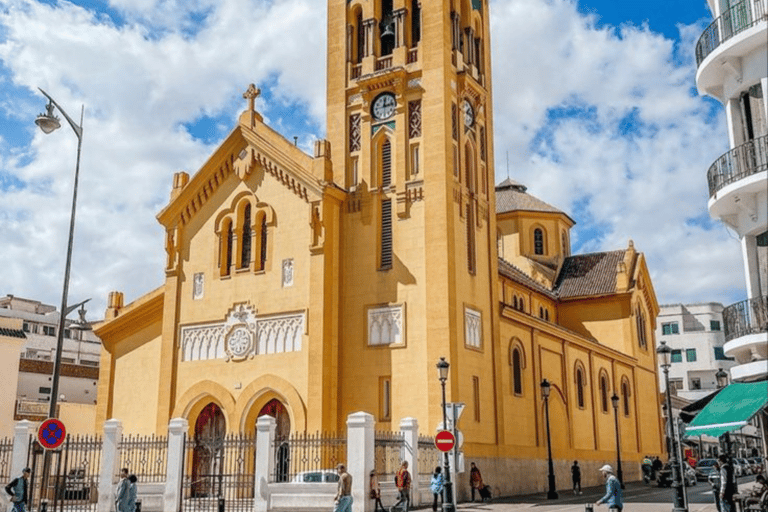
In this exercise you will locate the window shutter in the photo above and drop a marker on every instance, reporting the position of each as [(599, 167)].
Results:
[(386, 164), (386, 234)]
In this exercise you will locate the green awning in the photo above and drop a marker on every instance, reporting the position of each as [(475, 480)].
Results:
[(731, 409)]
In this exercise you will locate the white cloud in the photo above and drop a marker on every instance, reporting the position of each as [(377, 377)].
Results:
[(166, 63)]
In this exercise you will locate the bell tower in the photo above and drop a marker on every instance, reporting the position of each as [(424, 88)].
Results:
[(410, 126)]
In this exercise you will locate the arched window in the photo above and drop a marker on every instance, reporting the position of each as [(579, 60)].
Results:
[(580, 386), (263, 254), (625, 395), (514, 302), (640, 324), (245, 238), (521, 303), (387, 28), (564, 241), (517, 372), (546, 315), (604, 393), (227, 242), (415, 22), (360, 42), (541, 312), (538, 241)]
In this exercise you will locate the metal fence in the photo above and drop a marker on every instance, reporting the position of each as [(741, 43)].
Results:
[(735, 20), (429, 456), (389, 452), (145, 457), (746, 317), (6, 454), (740, 162), (67, 478), (219, 472), (305, 457)]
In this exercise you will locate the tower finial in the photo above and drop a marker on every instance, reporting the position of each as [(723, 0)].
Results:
[(251, 94)]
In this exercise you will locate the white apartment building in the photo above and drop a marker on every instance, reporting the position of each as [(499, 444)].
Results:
[(694, 332), (80, 358), (732, 66)]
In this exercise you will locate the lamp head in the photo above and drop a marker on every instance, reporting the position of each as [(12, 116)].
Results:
[(722, 378), (48, 122), (442, 369), (545, 388), (664, 354), (615, 401)]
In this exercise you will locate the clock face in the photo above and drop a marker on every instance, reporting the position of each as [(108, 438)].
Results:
[(383, 106), (469, 114)]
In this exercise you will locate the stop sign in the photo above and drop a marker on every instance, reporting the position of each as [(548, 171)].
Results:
[(445, 441)]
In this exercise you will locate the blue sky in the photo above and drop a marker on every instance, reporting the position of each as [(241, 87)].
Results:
[(594, 102)]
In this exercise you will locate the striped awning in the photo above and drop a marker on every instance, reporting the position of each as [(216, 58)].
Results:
[(730, 410)]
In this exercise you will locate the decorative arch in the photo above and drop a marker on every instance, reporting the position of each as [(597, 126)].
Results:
[(263, 389), (558, 414), (517, 363), (384, 134), (566, 249), (539, 239), (194, 400)]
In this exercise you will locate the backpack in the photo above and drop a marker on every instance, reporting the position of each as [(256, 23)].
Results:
[(10, 486)]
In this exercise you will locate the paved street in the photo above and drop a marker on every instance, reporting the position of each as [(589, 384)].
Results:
[(638, 498)]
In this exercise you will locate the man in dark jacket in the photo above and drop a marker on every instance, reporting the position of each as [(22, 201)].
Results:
[(17, 489), (727, 484)]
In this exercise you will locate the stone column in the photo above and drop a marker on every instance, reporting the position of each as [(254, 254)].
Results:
[(110, 459), (360, 454), (410, 429), (265, 462), (177, 429), (21, 433)]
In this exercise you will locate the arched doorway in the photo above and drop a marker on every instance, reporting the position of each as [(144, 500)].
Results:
[(277, 410), (210, 429)]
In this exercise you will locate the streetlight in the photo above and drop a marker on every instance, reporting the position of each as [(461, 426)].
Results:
[(664, 354), (722, 378), (619, 473), (442, 375), (48, 122), (545, 389)]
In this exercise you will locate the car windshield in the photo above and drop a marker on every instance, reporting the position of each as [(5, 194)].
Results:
[(705, 463)]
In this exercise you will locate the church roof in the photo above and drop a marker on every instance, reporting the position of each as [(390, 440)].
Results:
[(586, 275), (512, 272), (512, 196)]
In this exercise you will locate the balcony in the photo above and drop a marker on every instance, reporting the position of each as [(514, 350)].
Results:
[(743, 161), (735, 20), (746, 317)]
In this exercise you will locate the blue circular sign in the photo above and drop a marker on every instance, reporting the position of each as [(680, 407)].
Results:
[(51, 433)]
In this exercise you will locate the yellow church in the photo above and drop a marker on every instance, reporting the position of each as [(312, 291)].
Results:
[(309, 287)]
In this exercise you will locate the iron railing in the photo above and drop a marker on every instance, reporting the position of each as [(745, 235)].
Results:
[(145, 457), (742, 161), (383, 63), (389, 452), (735, 20), (746, 317), (306, 457), (6, 454), (429, 456), (413, 56), (219, 470)]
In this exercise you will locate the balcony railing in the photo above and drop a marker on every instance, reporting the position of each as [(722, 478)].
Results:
[(413, 55), (356, 70), (383, 63), (742, 161), (746, 317), (738, 18)]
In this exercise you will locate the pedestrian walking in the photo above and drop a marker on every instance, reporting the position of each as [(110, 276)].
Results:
[(18, 489), (576, 477), (132, 493), (436, 486), (714, 481), (727, 484), (403, 483), (375, 493), (121, 494), (613, 497), (475, 480), (344, 493)]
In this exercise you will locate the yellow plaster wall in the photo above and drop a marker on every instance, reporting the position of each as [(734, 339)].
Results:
[(80, 419), (10, 351)]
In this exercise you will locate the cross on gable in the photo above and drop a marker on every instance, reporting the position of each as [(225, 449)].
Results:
[(251, 94)]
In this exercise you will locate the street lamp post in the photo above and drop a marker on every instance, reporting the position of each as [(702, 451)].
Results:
[(619, 473), (722, 378), (551, 492), (664, 354), (442, 375)]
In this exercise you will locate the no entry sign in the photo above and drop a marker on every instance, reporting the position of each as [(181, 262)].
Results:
[(445, 441), (51, 433)]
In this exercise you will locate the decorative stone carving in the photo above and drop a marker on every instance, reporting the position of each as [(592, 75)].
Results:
[(287, 272), (385, 325), (473, 328), (198, 286), (243, 335)]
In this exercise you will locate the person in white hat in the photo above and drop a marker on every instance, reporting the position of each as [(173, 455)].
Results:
[(612, 490)]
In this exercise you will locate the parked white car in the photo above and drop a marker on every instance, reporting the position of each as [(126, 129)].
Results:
[(317, 476)]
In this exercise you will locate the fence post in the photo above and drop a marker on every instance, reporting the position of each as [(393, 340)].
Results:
[(110, 459), (265, 462), (21, 433), (410, 429), (174, 472), (360, 458)]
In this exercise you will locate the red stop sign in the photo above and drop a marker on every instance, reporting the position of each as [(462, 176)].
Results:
[(445, 441)]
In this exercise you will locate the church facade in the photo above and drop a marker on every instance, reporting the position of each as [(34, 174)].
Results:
[(309, 287)]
